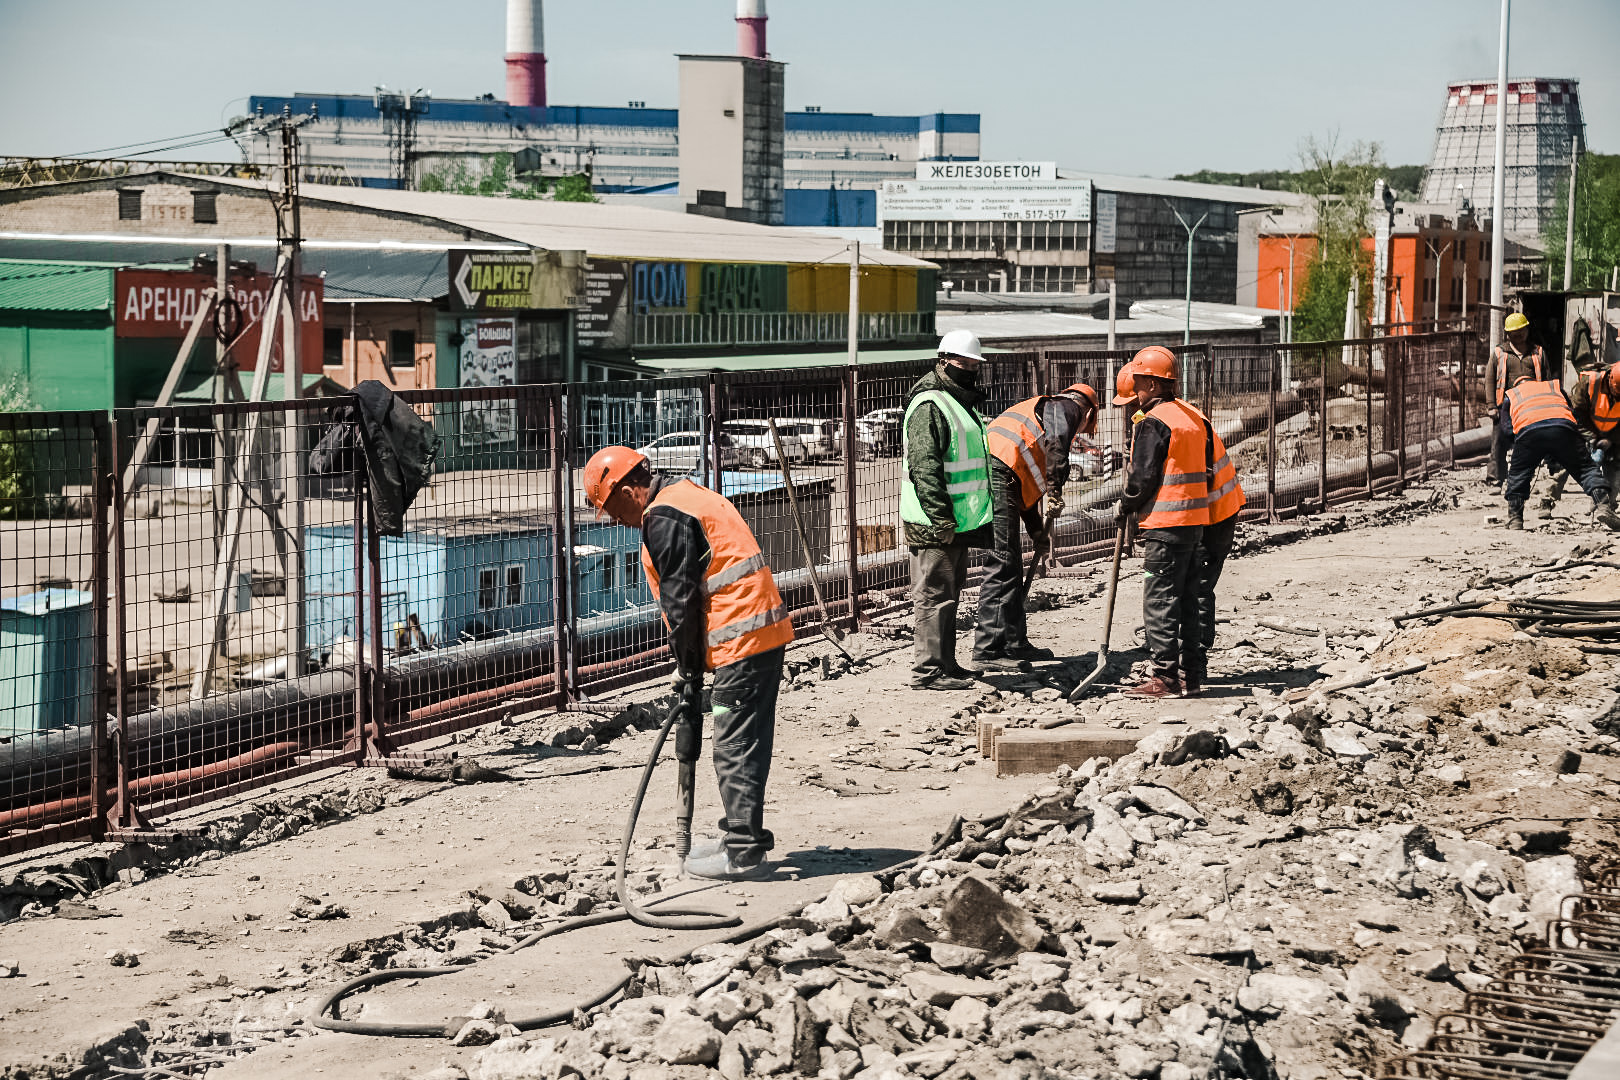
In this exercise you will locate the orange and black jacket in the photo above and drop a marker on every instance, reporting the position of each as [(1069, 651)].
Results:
[(1150, 448)]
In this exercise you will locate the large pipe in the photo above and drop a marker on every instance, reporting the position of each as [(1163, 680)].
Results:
[(525, 54), (751, 19)]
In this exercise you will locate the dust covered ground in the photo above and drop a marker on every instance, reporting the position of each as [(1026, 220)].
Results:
[(1268, 887)]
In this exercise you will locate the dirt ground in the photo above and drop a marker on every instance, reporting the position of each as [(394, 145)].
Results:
[(234, 947)]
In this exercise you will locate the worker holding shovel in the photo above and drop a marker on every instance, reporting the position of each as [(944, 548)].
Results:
[(1029, 461), (724, 615)]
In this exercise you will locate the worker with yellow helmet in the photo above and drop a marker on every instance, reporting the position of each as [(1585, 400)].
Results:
[(1514, 359)]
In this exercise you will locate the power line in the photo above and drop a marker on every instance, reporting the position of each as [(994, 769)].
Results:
[(144, 142)]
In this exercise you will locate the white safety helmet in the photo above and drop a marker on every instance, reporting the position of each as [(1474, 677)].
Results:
[(964, 343)]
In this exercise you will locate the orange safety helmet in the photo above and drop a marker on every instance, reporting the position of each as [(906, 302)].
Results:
[(1158, 361), (1125, 384), (606, 471), (1089, 396)]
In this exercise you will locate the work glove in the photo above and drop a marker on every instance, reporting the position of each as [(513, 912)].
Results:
[(1121, 516), (1493, 413), (1055, 507), (689, 684), (1603, 444)]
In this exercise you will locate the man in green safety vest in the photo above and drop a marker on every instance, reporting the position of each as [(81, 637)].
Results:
[(944, 503)]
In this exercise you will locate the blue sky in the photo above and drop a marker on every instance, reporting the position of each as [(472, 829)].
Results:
[(1142, 87)]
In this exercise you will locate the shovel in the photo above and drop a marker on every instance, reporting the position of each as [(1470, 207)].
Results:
[(1108, 626), (827, 630)]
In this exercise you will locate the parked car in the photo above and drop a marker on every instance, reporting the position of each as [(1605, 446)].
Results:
[(681, 452), (1087, 459), (819, 437), (755, 446), (878, 431)]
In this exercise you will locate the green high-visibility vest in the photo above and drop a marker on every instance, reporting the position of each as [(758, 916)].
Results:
[(967, 465)]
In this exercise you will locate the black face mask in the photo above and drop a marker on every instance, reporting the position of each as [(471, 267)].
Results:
[(962, 377)]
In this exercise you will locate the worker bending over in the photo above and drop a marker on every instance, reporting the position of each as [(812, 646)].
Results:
[(1029, 459), (724, 615), (944, 503), (1178, 481), (1596, 404), (1544, 431), (1510, 362)]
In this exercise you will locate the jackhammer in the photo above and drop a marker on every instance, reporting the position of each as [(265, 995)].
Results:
[(688, 742)]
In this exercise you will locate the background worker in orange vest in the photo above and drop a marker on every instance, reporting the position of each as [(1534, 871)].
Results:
[(1596, 404), (1510, 361), (724, 615), (1167, 485), (1029, 459), (1226, 500), (1544, 431)]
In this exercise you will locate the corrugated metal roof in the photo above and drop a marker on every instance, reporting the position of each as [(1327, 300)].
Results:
[(606, 230), (1164, 317), (1185, 189), (39, 285)]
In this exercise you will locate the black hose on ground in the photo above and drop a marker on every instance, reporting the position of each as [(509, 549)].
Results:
[(677, 919)]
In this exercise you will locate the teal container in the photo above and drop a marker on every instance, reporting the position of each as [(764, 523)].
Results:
[(47, 661)]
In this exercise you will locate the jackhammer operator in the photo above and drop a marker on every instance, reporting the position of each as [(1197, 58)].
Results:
[(724, 615)]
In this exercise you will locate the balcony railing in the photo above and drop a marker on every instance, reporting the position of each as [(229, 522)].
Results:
[(779, 328)]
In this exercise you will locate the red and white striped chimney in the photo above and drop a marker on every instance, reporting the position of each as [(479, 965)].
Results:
[(751, 28), (525, 54)]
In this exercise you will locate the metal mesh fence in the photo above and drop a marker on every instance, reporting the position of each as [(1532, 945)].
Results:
[(252, 624)]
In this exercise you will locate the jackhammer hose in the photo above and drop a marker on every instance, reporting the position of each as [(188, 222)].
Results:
[(710, 920)]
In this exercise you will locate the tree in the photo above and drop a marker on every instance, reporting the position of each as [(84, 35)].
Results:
[(1341, 184), (1597, 224), (14, 456), (493, 175)]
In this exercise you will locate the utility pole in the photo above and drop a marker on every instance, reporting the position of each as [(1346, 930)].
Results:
[(1569, 223), (1192, 230), (1438, 255), (289, 236), (855, 302), (1499, 183), (1113, 307)]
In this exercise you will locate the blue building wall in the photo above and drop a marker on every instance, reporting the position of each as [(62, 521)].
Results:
[(836, 207)]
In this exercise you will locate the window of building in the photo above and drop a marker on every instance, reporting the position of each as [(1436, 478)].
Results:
[(205, 207), (514, 586), (489, 590), (129, 204), (402, 348), (331, 347)]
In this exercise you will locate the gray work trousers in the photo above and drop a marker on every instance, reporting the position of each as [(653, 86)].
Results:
[(1170, 597), (1002, 625), (937, 577), (744, 698), (1213, 549)]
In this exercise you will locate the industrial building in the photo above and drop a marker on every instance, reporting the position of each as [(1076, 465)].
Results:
[(1031, 227), (1544, 125), (831, 162)]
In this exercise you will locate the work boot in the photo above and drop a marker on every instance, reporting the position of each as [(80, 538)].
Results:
[(720, 867), (1000, 663), (944, 682), (1191, 685), (1544, 509), (1603, 515), (1155, 688), (1034, 654), (704, 847), (1515, 519)]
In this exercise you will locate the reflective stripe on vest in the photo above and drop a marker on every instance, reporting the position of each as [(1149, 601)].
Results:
[(1535, 402), (967, 465), (1605, 410), (1014, 438), (743, 613), (1227, 499), (1501, 368), (1183, 495)]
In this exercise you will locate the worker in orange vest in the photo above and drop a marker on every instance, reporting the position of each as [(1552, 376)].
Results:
[(1512, 360), (1167, 488), (724, 615), (1029, 460), (1596, 404), (1544, 431)]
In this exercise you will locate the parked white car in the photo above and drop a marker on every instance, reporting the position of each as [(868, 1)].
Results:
[(817, 436), (755, 446), (681, 452)]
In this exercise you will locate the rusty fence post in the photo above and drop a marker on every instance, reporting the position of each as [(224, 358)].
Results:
[(1368, 368), (362, 691), (1271, 439), (1322, 432), (852, 571), (561, 551), (1395, 368), (103, 465)]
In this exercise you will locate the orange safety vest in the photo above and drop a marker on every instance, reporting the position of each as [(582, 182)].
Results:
[(1014, 438), (1226, 495), (1533, 402), (1183, 496), (1605, 410), (743, 613), (1501, 369)]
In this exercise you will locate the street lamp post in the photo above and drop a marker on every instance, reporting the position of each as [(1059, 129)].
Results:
[(1192, 230)]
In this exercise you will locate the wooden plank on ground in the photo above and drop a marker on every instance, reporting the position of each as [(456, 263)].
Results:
[(988, 730), (1018, 751)]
